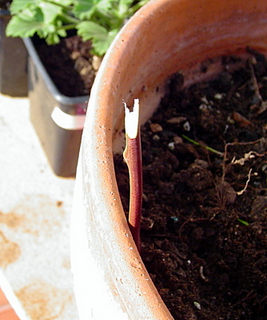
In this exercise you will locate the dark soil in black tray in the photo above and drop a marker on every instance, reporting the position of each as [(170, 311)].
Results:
[(205, 210), (69, 64), (5, 4)]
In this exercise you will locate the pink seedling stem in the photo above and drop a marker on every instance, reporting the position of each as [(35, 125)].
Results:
[(133, 158)]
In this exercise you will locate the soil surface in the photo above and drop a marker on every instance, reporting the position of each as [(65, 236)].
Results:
[(69, 64), (205, 194), (5, 4)]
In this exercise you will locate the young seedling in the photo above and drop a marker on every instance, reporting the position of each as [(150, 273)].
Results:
[(202, 145), (245, 223), (133, 158)]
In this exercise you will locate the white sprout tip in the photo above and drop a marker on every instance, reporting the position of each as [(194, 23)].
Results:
[(132, 120)]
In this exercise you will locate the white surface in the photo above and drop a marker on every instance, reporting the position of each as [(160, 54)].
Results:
[(35, 211)]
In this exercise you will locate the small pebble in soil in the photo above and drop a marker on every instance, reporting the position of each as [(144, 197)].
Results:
[(155, 127), (197, 305), (187, 126)]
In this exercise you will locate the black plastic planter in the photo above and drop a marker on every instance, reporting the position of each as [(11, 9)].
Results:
[(13, 61), (58, 120)]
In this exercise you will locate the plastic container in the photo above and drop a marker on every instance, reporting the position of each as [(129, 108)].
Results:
[(57, 119)]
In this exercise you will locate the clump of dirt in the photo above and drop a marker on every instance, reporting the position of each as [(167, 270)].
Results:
[(205, 194), (69, 64)]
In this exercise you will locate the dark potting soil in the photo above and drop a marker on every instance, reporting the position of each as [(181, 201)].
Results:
[(205, 210), (5, 4), (69, 64)]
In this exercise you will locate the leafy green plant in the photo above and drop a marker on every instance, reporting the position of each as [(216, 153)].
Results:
[(95, 20)]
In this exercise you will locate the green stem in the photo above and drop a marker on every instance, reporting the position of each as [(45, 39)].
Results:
[(67, 27), (69, 18), (136, 7), (203, 146)]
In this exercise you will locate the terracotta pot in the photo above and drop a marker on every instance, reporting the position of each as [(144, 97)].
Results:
[(164, 37)]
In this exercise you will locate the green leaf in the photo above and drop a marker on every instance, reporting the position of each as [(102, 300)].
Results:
[(123, 7), (18, 27), (31, 15), (101, 38), (105, 6), (52, 38), (63, 2), (62, 33), (89, 30), (52, 32), (19, 5), (50, 11), (101, 47), (26, 25), (84, 9)]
